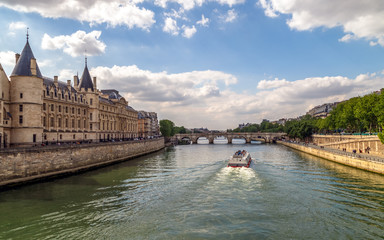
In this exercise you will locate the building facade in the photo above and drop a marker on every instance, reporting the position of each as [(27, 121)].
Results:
[(148, 125), (36, 109)]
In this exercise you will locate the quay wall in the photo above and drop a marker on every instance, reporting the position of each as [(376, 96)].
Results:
[(364, 164), (26, 165), (351, 142)]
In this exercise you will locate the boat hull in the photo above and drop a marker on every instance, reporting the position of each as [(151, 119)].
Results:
[(240, 159)]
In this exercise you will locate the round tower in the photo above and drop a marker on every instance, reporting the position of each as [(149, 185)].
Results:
[(26, 99)]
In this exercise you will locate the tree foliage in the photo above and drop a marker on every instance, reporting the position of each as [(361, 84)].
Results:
[(167, 128), (264, 126)]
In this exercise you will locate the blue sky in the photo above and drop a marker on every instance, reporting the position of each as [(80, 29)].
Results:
[(207, 63)]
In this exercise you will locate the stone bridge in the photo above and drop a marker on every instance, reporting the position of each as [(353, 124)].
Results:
[(248, 136)]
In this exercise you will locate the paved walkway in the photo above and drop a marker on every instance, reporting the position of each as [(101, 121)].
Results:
[(364, 156)]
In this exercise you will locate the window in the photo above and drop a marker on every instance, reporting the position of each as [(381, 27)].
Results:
[(59, 121), (85, 123), (21, 95), (44, 121), (85, 113), (91, 101), (20, 108), (74, 136), (52, 122), (73, 123), (66, 122), (59, 108), (61, 136), (44, 106), (52, 107), (66, 109), (73, 110), (21, 119), (90, 116), (78, 123), (78, 111), (34, 137), (85, 136), (90, 126)]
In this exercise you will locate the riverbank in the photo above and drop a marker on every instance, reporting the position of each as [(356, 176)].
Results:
[(20, 166), (361, 161)]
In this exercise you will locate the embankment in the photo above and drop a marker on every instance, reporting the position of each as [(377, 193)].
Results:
[(353, 161), (26, 165)]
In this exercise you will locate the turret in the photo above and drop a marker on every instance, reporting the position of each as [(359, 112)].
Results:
[(25, 93)]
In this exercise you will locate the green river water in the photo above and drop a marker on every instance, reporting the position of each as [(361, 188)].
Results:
[(187, 192)]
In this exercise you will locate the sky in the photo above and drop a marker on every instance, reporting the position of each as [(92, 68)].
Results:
[(206, 63)]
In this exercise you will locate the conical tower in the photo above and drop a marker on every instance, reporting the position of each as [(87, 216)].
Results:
[(88, 87), (26, 88)]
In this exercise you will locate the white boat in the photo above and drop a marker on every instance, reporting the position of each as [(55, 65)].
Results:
[(240, 159)]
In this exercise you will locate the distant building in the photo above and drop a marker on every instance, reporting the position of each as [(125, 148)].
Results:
[(148, 125), (242, 125), (322, 111), (281, 121), (200, 130)]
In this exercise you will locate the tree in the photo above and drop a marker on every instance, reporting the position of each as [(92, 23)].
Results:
[(167, 128)]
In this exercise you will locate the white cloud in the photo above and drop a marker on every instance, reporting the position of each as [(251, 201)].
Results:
[(359, 19), (203, 22), (7, 58), (231, 16), (170, 26), (230, 2), (66, 74), (198, 94), (268, 84), (76, 44), (17, 26), (190, 4), (112, 12), (189, 31)]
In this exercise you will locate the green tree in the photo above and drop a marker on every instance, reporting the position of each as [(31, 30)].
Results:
[(167, 128)]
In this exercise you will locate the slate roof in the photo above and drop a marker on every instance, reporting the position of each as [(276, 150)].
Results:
[(112, 93), (130, 108), (23, 65), (61, 85), (86, 80)]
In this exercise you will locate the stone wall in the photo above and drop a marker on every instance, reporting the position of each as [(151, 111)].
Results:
[(351, 142), (343, 159), (18, 166)]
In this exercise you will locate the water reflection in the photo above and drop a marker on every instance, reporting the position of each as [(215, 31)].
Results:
[(187, 192)]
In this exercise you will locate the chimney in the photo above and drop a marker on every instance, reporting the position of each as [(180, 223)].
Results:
[(56, 80), (33, 66), (94, 83), (75, 82), (17, 57), (69, 83)]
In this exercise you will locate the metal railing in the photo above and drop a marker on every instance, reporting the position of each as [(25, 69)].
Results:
[(363, 156)]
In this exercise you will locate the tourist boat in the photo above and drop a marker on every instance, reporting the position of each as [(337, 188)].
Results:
[(240, 159)]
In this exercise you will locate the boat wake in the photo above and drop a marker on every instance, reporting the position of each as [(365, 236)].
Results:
[(242, 173)]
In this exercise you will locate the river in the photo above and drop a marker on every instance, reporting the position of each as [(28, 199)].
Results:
[(186, 192)]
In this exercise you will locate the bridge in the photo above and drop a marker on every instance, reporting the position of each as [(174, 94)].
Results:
[(248, 136)]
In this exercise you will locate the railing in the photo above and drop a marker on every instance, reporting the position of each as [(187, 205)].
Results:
[(343, 153)]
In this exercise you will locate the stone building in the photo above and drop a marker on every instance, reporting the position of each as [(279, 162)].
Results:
[(37, 109), (322, 111), (148, 125)]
